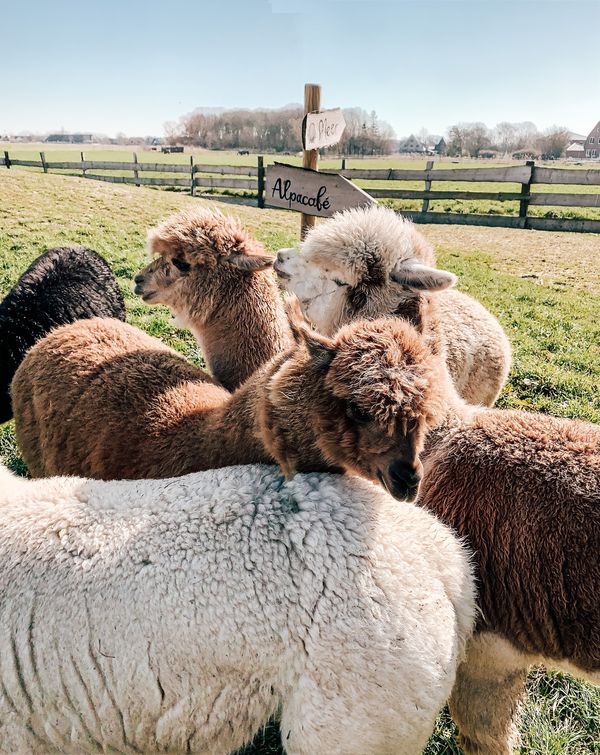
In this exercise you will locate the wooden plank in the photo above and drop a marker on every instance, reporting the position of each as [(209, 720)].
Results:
[(143, 180), (586, 177), (148, 167), (26, 163), (497, 196), (319, 194), (322, 129), (511, 174), (225, 170), (551, 199), (506, 221), (82, 165), (227, 183)]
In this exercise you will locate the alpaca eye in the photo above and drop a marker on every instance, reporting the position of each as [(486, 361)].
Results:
[(182, 266), (357, 414), (338, 282)]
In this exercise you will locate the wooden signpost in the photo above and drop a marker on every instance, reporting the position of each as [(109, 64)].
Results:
[(314, 193), (305, 189)]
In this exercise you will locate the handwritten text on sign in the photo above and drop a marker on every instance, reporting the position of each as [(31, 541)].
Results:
[(323, 129), (312, 192)]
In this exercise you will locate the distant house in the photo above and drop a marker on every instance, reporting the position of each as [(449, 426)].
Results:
[(592, 143), (412, 145)]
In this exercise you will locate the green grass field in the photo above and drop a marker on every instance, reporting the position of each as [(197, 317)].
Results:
[(544, 287), (63, 153)]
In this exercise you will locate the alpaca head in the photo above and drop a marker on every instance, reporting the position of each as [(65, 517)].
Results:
[(362, 263), (202, 258), (365, 397)]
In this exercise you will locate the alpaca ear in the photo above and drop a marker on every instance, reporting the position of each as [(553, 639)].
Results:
[(295, 316), (321, 349), (413, 274), (251, 263)]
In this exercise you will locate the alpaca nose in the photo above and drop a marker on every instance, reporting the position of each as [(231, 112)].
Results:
[(138, 278), (280, 258), (404, 480)]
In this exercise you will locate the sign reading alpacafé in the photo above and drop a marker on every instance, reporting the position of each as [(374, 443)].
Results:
[(322, 129), (312, 192)]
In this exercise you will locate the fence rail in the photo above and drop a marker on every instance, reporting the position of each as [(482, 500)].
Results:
[(250, 178)]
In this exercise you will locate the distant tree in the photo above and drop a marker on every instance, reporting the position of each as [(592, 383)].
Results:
[(468, 138), (553, 142)]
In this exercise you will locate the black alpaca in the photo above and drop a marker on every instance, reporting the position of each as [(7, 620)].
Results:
[(63, 285)]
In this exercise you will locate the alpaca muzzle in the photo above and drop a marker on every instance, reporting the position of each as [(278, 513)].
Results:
[(401, 480)]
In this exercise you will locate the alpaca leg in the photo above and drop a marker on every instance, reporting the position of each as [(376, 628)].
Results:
[(485, 701)]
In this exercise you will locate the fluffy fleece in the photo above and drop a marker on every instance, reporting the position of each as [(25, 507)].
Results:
[(102, 399), (217, 281), (370, 262), (523, 489), (179, 615), (61, 286)]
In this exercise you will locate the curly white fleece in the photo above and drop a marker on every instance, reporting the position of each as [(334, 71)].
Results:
[(178, 615)]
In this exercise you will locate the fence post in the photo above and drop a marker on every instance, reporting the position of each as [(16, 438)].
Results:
[(261, 182), (192, 176), (428, 167), (310, 157), (6, 158), (525, 194), (82, 166), (43, 161), (343, 163), (136, 175)]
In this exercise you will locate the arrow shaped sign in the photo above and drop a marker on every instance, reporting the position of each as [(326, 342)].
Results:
[(312, 192)]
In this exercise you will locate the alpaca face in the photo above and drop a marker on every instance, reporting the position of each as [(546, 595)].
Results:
[(367, 397), (203, 256), (361, 263)]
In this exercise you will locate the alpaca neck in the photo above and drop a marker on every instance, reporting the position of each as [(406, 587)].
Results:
[(241, 333), (456, 414)]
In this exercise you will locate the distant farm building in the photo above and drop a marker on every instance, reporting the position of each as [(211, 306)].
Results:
[(575, 150), (70, 138), (592, 143), (412, 145)]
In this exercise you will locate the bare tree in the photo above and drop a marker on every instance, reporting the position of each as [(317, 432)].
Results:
[(553, 142)]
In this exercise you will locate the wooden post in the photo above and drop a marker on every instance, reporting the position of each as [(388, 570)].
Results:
[(312, 102), (428, 167), (82, 166), (192, 176), (6, 158), (525, 192), (261, 181), (136, 174), (43, 161), (343, 163)]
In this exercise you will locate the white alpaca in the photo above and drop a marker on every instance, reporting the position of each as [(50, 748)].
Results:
[(179, 615), (369, 263)]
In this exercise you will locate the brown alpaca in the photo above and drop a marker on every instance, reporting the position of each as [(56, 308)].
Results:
[(523, 489), (217, 281), (102, 399)]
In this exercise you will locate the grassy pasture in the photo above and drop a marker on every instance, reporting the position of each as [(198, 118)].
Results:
[(70, 152), (544, 287)]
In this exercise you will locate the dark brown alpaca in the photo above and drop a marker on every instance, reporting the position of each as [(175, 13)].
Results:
[(103, 399), (523, 489), (217, 281)]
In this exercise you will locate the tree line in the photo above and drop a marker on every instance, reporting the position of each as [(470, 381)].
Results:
[(277, 131), (475, 139)]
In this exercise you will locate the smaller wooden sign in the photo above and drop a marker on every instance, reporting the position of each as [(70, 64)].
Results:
[(322, 129), (312, 192)]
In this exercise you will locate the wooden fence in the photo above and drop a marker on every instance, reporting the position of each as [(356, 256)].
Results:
[(527, 176)]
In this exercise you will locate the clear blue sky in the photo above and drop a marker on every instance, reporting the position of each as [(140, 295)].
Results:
[(131, 65)]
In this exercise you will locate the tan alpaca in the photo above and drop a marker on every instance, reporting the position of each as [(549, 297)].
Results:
[(217, 281), (370, 262), (102, 399)]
